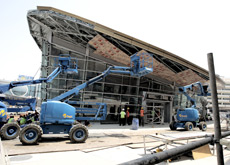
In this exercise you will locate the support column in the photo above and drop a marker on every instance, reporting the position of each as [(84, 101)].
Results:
[(219, 148)]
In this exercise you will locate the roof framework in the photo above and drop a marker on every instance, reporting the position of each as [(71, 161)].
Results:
[(51, 24)]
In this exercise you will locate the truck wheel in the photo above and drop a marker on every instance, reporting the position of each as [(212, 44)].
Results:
[(171, 126), (203, 126), (30, 134), (188, 126), (10, 131), (78, 133)]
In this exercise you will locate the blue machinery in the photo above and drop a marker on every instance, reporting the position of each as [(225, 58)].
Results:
[(11, 130), (59, 116), (188, 118)]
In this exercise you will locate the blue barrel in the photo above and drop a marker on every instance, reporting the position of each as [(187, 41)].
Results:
[(135, 124)]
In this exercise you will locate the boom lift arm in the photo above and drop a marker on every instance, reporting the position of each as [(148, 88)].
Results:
[(140, 66), (64, 63), (197, 87)]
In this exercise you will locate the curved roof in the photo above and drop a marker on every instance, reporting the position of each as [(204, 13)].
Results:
[(57, 27)]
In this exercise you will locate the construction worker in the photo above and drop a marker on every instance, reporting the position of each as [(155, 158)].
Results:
[(11, 119), (22, 120), (122, 117), (127, 116), (141, 117)]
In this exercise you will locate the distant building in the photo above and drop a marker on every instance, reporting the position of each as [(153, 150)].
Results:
[(223, 92)]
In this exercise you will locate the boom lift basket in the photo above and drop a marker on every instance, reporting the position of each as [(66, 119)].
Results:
[(141, 64), (69, 65)]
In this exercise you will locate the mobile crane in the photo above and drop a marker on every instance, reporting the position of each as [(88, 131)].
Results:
[(189, 118), (58, 115), (11, 130)]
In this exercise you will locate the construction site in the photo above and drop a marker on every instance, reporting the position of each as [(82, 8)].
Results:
[(105, 97)]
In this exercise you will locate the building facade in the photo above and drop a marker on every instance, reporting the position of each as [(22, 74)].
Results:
[(116, 90), (96, 47)]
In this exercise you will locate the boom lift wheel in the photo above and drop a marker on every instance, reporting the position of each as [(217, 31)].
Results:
[(30, 134), (203, 126), (171, 126), (10, 131), (188, 126), (78, 133)]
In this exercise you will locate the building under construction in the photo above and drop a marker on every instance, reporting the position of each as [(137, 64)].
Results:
[(97, 47)]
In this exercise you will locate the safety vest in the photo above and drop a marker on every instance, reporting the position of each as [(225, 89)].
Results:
[(127, 114), (11, 120), (122, 114), (22, 120), (142, 113)]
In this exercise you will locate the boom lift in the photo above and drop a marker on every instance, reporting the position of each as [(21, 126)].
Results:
[(59, 116), (189, 118), (11, 130)]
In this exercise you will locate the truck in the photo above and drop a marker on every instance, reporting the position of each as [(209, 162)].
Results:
[(59, 115), (189, 117), (11, 130)]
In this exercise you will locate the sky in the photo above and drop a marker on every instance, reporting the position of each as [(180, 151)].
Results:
[(190, 29)]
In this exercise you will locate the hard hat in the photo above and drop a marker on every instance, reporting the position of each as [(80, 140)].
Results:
[(128, 108), (123, 109), (142, 108)]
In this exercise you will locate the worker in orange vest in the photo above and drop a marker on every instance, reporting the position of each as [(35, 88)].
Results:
[(127, 116), (141, 117)]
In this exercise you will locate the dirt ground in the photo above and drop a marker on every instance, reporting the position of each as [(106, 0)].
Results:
[(100, 136)]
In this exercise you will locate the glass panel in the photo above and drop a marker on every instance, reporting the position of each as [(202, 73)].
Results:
[(144, 84), (124, 99), (125, 90), (116, 79), (126, 80), (133, 81), (97, 87), (80, 64), (133, 90), (62, 84), (110, 88), (91, 66), (100, 67)]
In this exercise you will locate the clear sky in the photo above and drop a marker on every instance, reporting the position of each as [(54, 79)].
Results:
[(188, 28)]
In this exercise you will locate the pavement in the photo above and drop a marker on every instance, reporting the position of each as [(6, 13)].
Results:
[(107, 144)]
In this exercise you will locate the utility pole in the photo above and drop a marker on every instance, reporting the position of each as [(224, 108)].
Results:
[(217, 135)]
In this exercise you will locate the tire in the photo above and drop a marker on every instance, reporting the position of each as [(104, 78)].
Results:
[(203, 126), (78, 133), (188, 126), (30, 134), (171, 126), (10, 131)]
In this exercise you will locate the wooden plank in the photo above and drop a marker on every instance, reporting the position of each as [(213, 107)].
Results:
[(201, 152)]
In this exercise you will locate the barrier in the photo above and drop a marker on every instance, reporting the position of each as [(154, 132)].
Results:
[(135, 124)]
